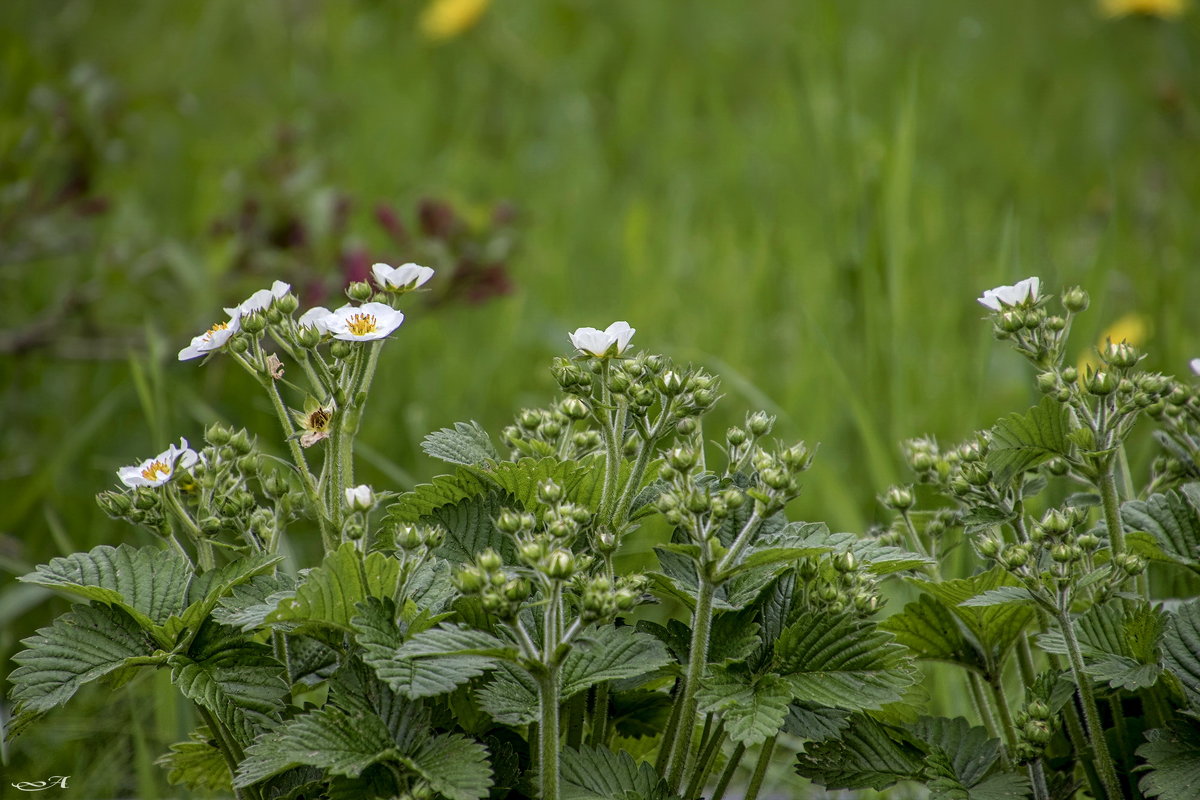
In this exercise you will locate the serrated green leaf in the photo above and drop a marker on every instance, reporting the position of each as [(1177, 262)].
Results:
[(608, 653), (1172, 765), (840, 661), (150, 583), (236, 679), (877, 558), (470, 529), (793, 542), (996, 627), (330, 739), (753, 707), (197, 764), (932, 632), (208, 589), (1181, 648), (466, 443), (453, 765), (815, 722), (443, 490), (1172, 520), (249, 604), (430, 663), (1020, 442), (595, 773), (79, 647), (327, 595), (866, 756), (510, 696), (1120, 643), (971, 752), (640, 713)]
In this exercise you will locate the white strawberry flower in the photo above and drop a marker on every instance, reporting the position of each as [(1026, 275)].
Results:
[(315, 318), (360, 498), (1195, 365), (160, 469), (1002, 297), (263, 298), (363, 323), (613, 340), (214, 338), (403, 278)]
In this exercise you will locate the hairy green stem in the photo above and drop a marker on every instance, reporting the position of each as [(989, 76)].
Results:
[(1091, 712), (740, 542), (229, 749), (668, 737), (697, 657), (986, 714), (731, 766), (298, 458), (1112, 510), (704, 766), (548, 744), (1037, 779), (599, 734), (760, 769), (1006, 720)]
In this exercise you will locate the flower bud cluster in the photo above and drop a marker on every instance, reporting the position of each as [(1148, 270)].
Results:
[(601, 600), (553, 431), (1021, 316), (1035, 728), (1060, 550), (416, 540), (838, 585), (502, 594)]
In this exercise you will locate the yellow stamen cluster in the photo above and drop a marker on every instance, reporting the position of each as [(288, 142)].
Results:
[(361, 324), (155, 471)]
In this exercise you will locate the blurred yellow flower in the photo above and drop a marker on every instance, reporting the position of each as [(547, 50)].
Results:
[(445, 19), (1167, 9), (1133, 328)]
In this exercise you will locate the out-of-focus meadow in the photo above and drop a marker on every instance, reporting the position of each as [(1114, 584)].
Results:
[(804, 197)]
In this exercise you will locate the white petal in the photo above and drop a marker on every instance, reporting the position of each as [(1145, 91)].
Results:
[(1195, 365), (191, 351), (620, 333), (279, 289), (381, 272)]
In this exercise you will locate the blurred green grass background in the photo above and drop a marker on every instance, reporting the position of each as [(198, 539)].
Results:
[(805, 197)]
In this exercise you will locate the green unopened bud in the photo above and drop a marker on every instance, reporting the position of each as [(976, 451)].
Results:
[(516, 590), (733, 498), (433, 536), (508, 521), (359, 291), (760, 424), (796, 458), (240, 442), (288, 303), (254, 323), (1055, 323), (1101, 383), (1070, 374), (1056, 523), (408, 538), (1047, 382), (899, 498), (618, 383), (682, 459), (696, 502), (775, 478), (989, 546), (1088, 541), (735, 437), (1061, 553), (549, 491), (959, 485), (1131, 564), (1121, 355), (341, 350), (530, 553), (273, 315), (670, 384), (217, 434), (145, 499), (1075, 300), (574, 408), (469, 580), (1037, 731), (1153, 383), (560, 565), (687, 426), (238, 344), (1038, 710), (644, 397), (1015, 557), (1011, 321), (704, 398), (115, 504), (489, 560), (1057, 466), (845, 562), (308, 336)]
